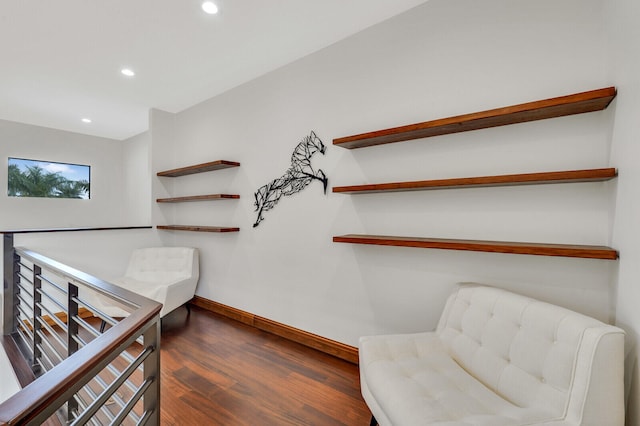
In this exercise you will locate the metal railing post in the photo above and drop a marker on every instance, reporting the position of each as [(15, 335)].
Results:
[(72, 325), (9, 285), (37, 313), (72, 343), (151, 369)]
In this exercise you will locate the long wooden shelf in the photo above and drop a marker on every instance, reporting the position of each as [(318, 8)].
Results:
[(197, 228), (572, 176), (199, 168), (537, 249), (209, 197), (594, 100)]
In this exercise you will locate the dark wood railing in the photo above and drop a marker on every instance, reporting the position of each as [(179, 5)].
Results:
[(81, 375)]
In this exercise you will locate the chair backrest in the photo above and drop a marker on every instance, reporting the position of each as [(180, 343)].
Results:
[(163, 264), (535, 354)]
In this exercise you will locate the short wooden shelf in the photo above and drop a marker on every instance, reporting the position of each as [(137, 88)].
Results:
[(197, 228), (590, 175), (209, 197), (199, 168), (594, 100), (537, 249)]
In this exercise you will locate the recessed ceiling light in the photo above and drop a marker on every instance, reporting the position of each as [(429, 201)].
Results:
[(128, 72), (86, 120), (210, 7)]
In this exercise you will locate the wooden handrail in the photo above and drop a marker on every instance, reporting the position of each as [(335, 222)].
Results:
[(62, 381)]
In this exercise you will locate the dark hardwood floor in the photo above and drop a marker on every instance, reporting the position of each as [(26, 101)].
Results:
[(216, 371)]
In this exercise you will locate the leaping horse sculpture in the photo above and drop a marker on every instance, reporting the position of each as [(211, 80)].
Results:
[(295, 179)]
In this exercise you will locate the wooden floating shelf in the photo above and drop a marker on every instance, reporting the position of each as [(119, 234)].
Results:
[(199, 168), (537, 249), (591, 175), (210, 197), (197, 228), (578, 103)]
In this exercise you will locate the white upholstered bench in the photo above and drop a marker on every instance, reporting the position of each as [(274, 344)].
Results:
[(168, 275), (497, 359)]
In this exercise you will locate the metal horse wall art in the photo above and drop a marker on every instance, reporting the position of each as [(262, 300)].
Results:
[(295, 179)]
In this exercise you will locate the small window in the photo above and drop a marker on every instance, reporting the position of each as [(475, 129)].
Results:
[(34, 178)]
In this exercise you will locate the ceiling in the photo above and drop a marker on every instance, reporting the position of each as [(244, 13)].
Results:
[(61, 60)]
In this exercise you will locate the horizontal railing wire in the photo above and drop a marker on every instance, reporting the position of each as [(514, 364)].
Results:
[(110, 368), (53, 324), (111, 389)]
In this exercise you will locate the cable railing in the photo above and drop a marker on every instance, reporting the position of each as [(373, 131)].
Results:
[(87, 367)]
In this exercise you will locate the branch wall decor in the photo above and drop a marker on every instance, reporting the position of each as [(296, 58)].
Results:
[(295, 179)]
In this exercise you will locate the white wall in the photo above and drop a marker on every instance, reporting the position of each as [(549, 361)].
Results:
[(443, 58), (40, 143), (621, 18), (120, 196), (136, 164)]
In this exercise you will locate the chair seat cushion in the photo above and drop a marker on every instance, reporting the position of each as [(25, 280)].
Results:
[(415, 381), (153, 290)]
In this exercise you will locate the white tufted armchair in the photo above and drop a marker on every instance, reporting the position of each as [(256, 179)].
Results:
[(497, 359), (168, 275)]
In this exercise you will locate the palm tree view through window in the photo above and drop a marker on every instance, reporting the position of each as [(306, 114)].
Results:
[(34, 178)]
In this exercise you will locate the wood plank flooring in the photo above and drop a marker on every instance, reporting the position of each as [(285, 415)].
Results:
[(216, 371)]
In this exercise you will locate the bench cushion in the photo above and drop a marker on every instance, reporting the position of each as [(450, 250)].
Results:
[(416, 382)]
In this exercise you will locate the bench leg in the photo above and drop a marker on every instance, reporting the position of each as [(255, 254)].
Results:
[(373, 422), (102, 325)]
